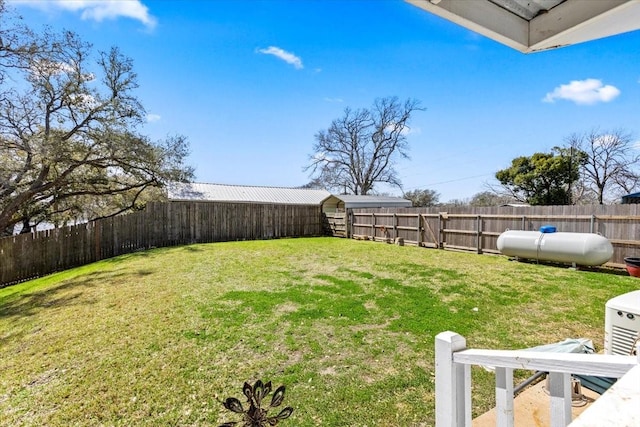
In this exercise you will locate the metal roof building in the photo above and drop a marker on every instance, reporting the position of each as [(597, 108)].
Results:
[(633, 198), (350, 201), (203, 192), (195, 191)]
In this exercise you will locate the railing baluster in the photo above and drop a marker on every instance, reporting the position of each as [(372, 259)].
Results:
[(504, 397), (466, 387), (560, 395)]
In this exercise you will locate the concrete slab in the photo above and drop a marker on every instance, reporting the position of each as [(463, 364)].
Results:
[(531, 408)]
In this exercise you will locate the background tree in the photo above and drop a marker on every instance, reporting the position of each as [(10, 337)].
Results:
[(13, 33), (455, 203), (490, 198), (422, 198), (359, 149), (314, 184), (68, 141), (542, 179), (610, 167)]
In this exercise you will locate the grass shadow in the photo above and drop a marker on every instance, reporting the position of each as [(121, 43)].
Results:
[(68, 292), (192, 248), (594, 269)]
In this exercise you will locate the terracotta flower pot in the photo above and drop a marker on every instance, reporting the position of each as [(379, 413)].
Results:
[(633, 266)]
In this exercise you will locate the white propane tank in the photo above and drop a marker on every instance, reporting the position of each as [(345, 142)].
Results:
[(576, 248)]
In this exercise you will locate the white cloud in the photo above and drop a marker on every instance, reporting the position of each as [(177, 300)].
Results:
[(406, 130), (98, 10), (411, 131), (584, 92), (287, 57), (338, 100), (153, 118)]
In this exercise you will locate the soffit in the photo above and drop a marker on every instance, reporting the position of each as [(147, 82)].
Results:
[(534, 25)]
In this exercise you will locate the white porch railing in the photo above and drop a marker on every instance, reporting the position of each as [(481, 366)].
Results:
[(453, 379)]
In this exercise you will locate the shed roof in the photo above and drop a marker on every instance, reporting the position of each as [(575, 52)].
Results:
[(198, 191), (354, 201), (534, 25), (195, 191), (633, 198)]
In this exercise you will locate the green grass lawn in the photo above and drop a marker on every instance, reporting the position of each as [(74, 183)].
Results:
[(159, 337)]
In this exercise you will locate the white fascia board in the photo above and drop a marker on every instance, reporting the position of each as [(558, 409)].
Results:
[(482, 17), (577, 21)]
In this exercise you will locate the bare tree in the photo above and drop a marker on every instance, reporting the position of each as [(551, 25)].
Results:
[(13, 37), (611, 166), (68, 137), (583, 195), (422, 198), (359, 149)]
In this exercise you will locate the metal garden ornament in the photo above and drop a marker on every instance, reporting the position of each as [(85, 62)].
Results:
[(255, 415)]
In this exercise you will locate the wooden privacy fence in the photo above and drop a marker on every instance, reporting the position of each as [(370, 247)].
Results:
[(477, 229), (31, 255), (336, 224), (169, 224)]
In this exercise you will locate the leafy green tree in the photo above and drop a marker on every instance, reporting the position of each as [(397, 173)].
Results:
[(358, 150), (422, 198), (541, 179), (69, 148)]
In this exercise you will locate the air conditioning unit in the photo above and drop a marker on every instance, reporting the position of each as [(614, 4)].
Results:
[(622, 323)]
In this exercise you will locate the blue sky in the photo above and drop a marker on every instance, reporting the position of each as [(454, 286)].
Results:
[(251, 82)]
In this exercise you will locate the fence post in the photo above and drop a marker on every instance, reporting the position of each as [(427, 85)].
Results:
[(453, 382), (479, 234), (395, 227), (441, 235), (348, 222), (419, 239), (373, 226)]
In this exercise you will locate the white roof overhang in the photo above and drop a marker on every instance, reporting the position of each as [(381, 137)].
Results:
[(534, 25)]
